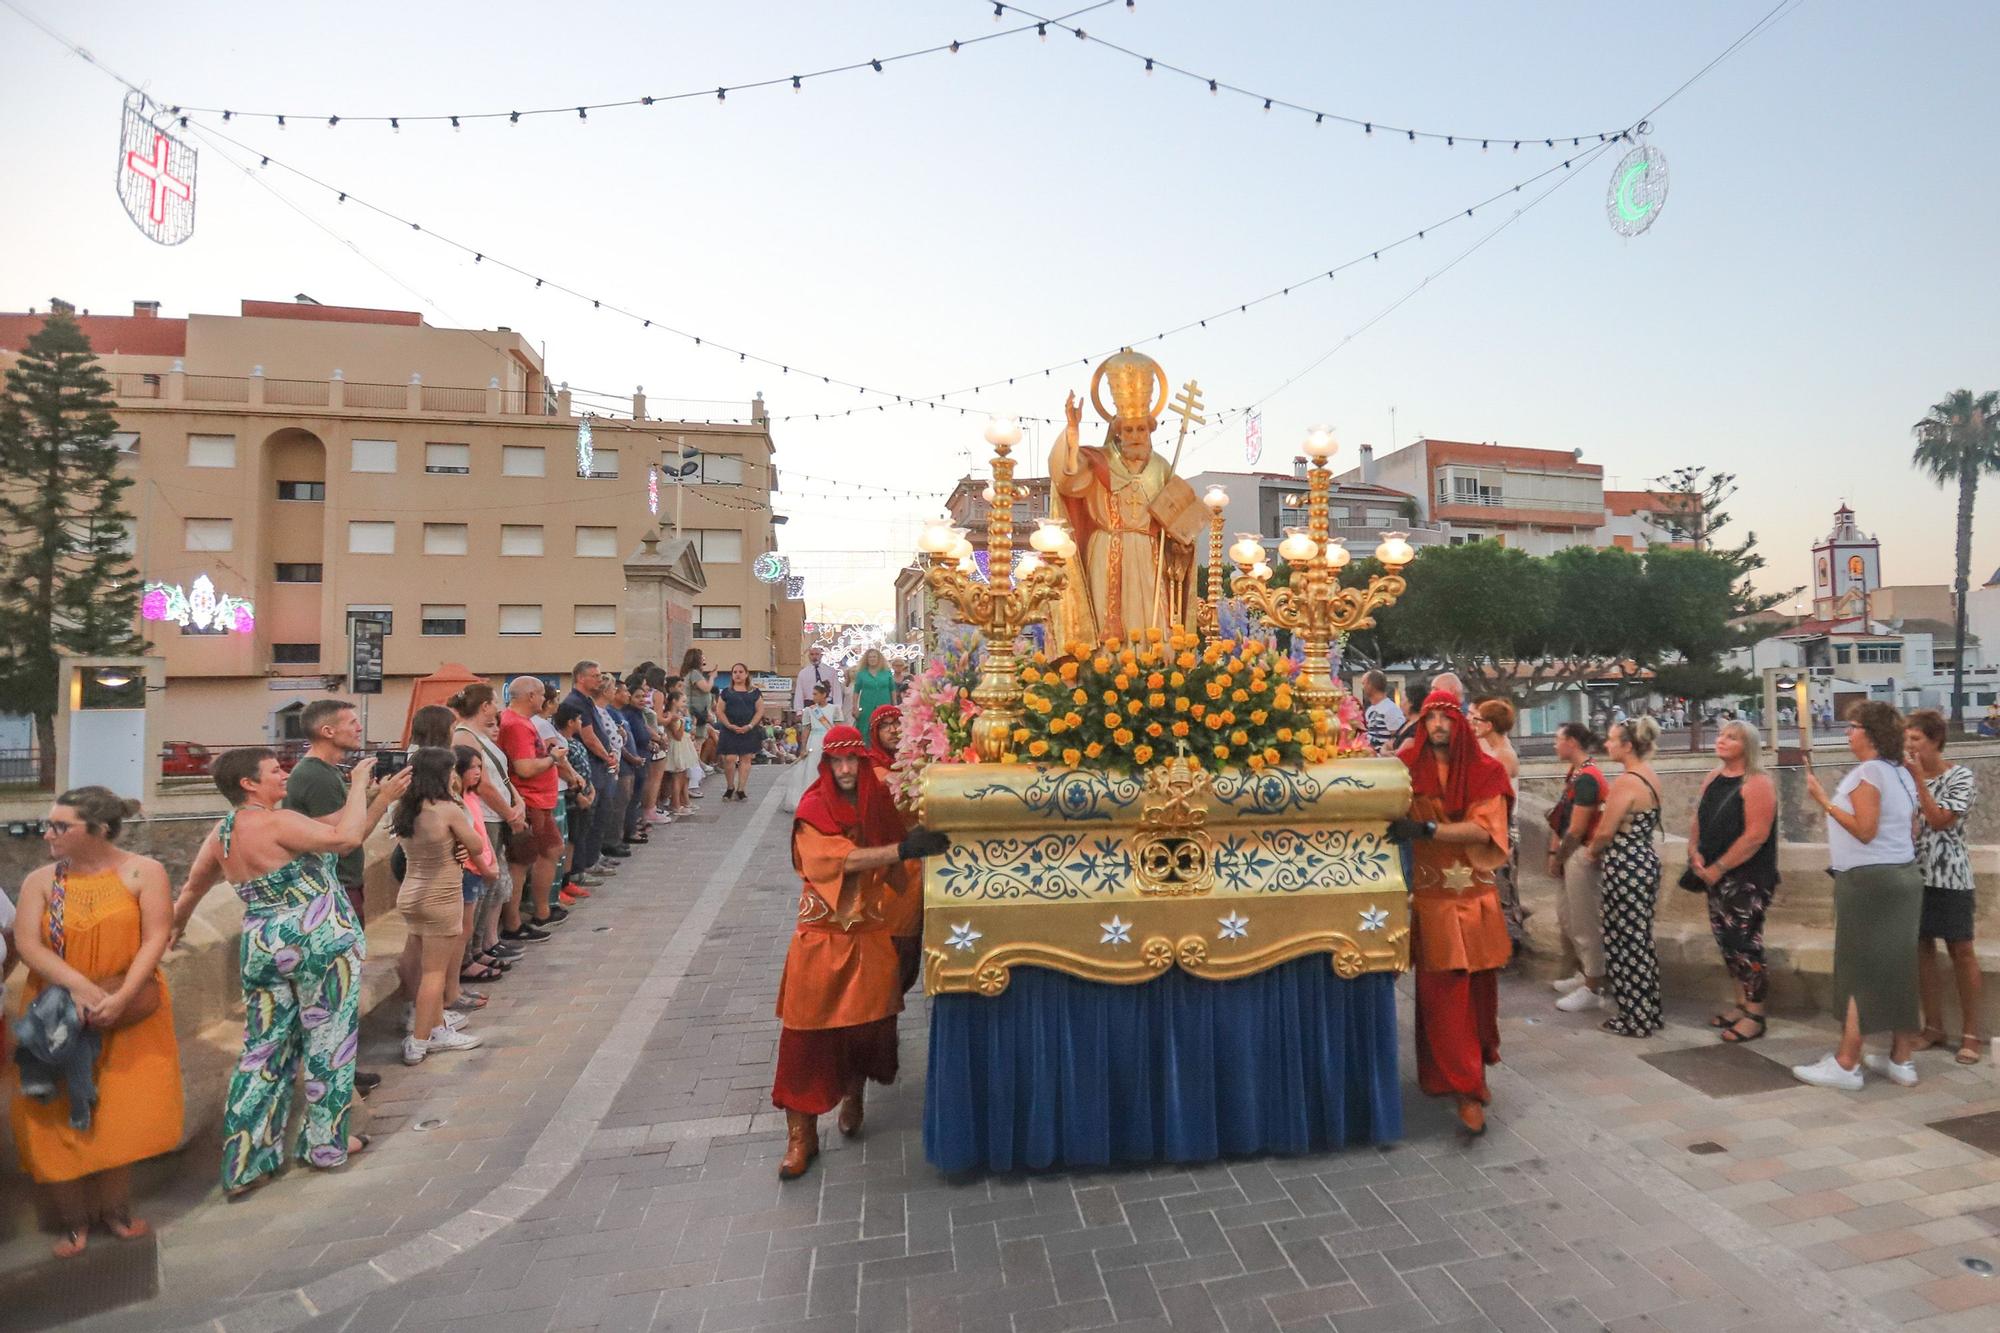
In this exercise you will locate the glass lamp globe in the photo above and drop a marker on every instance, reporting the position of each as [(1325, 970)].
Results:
[(1026, 565), (1260, 570), (936, 538), (1217, 500), (961, 546), (1337, 555), (1297, 547), (1003, 430), (1319, 444), (1048, 536), (1248, 550), (1395, 550), (987, 494), (1068, 548)]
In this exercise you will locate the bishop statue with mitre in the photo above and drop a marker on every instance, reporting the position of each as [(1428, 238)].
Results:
[(1136, 524)]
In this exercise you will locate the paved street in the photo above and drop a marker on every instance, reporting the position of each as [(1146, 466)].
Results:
[(608, 1160)]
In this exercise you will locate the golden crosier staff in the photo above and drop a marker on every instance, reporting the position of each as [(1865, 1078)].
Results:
[(1008, 601), (1315, 607)]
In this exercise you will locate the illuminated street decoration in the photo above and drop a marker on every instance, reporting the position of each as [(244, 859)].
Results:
[(155, 176), (198, 607), (653, 490), (1638, 190), (586, 454), (842, 645), (770, 567), (795, 587)]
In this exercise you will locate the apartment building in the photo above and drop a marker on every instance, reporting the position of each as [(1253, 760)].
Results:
[(298, 466), (1357, 512)]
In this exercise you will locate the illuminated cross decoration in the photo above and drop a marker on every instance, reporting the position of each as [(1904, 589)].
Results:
[(160, 182)]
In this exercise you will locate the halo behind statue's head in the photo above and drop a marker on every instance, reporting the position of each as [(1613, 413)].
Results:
[(1133, 376)]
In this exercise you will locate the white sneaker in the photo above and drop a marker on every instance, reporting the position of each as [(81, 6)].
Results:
[(414, 1050), (1567, 984), (1581, 1000), (452, 1019), (1828, 1074), (1902, 1075), (452, 1039)]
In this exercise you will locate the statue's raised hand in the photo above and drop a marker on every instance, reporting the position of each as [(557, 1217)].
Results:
[(1073, 410)]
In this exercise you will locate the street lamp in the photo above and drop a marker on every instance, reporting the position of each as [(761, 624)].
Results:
[(1008, 601), (1315, 607)]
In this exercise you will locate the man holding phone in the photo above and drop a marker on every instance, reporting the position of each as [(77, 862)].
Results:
[(317, 788)]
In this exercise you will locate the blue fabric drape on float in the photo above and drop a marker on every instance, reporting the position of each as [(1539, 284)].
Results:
[(1058, 1071)]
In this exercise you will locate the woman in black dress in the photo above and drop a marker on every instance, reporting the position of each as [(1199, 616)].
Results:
[(740, 741)]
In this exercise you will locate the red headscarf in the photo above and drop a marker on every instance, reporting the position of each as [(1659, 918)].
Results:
[(878, 754), (1471, 774), (868, 817)]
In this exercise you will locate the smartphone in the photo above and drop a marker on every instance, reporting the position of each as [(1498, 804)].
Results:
[(388, 762)]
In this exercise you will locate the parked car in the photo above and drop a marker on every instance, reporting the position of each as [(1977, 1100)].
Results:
[(185, 759)]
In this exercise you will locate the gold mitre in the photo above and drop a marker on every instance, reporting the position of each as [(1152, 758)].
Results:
[(1134, 377)]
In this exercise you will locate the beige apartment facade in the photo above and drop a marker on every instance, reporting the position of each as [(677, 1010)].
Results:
[(326, 463)]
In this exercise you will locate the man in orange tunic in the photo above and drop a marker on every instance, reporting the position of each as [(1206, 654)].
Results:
[(1457, 828), (839, 996)]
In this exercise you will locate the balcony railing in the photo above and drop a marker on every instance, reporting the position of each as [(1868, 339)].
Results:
[(1490, 501), (378, 395), (338, 394), (441, 398), (298, 393), (218, 389)]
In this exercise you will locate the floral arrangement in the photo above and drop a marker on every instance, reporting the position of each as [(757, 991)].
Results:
[(1129, 705), (937, 714)]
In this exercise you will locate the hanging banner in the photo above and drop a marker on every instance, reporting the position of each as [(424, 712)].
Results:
[(1253, 438), (155, 176)]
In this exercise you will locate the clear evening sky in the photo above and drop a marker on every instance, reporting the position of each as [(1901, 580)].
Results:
[(1822, 272)]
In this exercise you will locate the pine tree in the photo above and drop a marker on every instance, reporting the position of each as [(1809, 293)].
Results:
[(67, 584)]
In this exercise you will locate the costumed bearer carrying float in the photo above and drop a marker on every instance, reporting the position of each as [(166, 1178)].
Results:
[(1169, 919)]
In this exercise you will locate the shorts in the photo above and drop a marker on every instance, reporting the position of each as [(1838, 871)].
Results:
[(1947, 915), (471, 887), (540, 840)]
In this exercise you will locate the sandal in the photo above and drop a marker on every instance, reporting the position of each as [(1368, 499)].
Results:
[(1971, 1048), (1729, 1020), (73, 1242), (1928, 1039), (1735, 1036), (479, 972), (126, 1227)]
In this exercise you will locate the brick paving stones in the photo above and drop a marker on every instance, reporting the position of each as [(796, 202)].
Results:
[(1582, 1208)]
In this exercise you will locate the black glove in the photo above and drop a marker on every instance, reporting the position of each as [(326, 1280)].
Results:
[(921, 841), (1409, 830)]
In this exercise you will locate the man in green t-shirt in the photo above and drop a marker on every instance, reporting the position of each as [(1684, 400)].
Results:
[(317, 788)]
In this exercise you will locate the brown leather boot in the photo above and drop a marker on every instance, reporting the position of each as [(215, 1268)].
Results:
[(851, 1109), (801, 1144)]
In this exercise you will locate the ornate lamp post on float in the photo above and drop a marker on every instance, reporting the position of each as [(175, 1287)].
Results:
[(1315, 606), (1210, 615), (1008, 600)]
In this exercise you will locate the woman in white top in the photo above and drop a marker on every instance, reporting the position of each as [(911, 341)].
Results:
[(1878, 896)]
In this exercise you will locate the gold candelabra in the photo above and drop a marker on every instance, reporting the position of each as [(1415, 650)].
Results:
[(1209, 617), (1315, 607), (1008, 600)]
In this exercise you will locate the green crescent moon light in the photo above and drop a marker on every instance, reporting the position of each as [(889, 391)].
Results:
[(1626, 208)]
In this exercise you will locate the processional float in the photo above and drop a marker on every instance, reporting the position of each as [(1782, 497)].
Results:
[(1170, 919)]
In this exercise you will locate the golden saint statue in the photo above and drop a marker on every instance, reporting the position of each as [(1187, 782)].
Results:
[(1136, 524)]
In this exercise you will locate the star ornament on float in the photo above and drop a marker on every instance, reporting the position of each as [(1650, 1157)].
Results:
[(1374, 918), (1234, 926), (964, 938), (1638, 190), (1116, 932)]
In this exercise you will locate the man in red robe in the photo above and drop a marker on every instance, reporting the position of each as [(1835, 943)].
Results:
[(839, 997), (1457, 831)]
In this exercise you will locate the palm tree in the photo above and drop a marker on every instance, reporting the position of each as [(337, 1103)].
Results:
[(1957, 440)]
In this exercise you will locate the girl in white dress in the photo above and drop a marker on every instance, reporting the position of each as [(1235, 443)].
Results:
[(819, 718)]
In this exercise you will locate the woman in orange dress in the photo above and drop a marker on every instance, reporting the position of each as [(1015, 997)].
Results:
[(97, 922)]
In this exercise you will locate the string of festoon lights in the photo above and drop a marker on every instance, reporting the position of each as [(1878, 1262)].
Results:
[(931, 401), (1040, 24)]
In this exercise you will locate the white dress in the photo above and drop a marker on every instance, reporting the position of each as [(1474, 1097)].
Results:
[(816, 721)]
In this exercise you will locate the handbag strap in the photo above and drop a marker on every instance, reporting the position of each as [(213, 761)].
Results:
[(58, 893)]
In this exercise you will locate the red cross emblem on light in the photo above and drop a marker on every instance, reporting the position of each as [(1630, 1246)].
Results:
[(160, 181)]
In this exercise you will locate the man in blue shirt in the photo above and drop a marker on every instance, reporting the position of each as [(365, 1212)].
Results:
[(586, 680), (637, 758)]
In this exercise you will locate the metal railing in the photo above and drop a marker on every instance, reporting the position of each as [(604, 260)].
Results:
[(218, 389), (442, 398), (1493, 501), (378, 395), (132, 384), (298, 393)]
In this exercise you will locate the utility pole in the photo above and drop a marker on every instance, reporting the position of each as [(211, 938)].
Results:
[(680, 479)]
